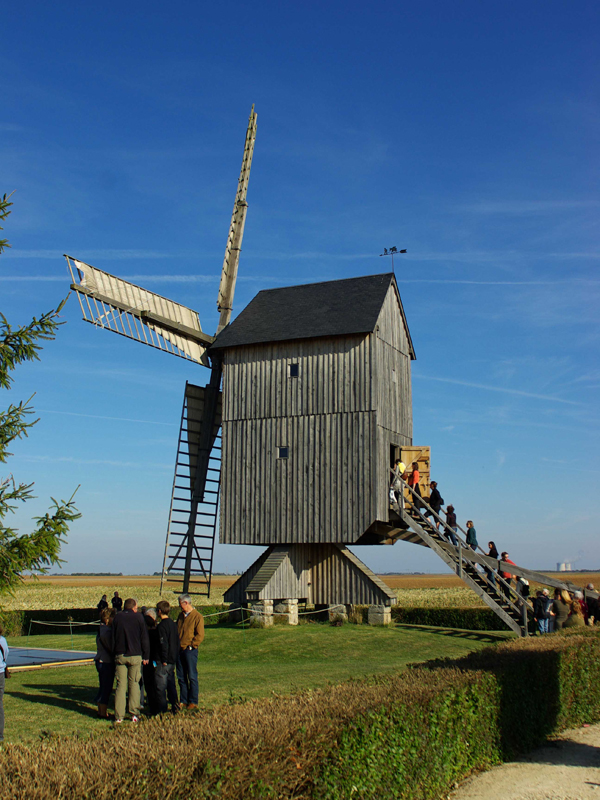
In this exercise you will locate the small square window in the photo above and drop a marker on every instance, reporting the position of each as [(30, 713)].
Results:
[(294, 370), (283, 452)]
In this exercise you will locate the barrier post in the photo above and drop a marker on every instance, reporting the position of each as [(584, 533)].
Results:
[(28, 632), (71, 632)]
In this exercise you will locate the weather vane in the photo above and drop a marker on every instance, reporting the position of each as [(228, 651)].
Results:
[(393, 251)]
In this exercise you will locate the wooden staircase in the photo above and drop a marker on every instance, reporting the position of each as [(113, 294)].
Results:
[(407, 522), (495, 592)]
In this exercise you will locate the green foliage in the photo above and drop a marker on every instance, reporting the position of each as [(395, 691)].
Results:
[(36, 551), (417, 748), (5, 205), (468, 619)]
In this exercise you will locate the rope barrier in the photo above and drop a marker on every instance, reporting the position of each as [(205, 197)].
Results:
[(61, 623)]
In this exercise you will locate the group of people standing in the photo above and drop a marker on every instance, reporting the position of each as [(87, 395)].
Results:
[(146, 651), (565, 610)]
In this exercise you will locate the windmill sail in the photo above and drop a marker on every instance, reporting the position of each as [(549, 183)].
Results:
[(236, 230), (127, 309)]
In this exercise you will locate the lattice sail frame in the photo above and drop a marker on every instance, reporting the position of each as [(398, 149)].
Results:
[(129, 310)]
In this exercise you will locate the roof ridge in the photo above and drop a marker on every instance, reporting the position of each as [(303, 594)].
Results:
[(332, 280)]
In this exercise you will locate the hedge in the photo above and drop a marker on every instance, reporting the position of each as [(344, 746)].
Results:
[(409, 736), (470, 619), (16, 623)]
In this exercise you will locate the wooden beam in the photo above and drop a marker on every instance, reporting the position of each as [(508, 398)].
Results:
[(148, 316)]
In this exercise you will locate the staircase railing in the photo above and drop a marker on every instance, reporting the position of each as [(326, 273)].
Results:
[(520, 606)]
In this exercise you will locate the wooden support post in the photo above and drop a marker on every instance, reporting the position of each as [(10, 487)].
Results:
[(460, 560), (525, 631)]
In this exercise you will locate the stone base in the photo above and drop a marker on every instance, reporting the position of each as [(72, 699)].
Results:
[(286, 612), (261, 614), (338, 614), (379, 615)]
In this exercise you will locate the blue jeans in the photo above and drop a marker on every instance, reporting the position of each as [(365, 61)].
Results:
[(106, 677), (164, 677), (543, 625), (451, 536), (187, 676)]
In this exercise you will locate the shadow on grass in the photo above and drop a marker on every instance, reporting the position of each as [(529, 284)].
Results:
[(69, 698), (475, 636)]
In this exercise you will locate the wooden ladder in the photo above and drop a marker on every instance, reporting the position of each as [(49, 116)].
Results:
[(193, 514)]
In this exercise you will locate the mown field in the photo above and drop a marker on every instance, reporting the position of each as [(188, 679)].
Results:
[(233, 663), (60, 592)]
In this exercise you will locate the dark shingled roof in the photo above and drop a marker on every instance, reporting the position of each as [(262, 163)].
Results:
[(331, 308)]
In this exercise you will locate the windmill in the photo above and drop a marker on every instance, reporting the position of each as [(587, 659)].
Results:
[(119, 306)]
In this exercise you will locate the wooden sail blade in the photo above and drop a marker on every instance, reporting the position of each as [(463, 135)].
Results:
[(236, 230), (122, 307), (195, 404)]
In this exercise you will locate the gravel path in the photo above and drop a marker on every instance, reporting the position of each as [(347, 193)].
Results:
[(567, 768)]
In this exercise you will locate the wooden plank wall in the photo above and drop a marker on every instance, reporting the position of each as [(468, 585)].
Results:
[(323, 492), (392, 370), (321, 574), (334, 377), (350, 401)]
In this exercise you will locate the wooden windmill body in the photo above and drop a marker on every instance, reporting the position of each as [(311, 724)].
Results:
[(316, 401), (296, 447)]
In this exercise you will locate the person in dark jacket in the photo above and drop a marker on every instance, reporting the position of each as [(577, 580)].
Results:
[(149, 669), (592, 603), (164, 676), (452, 524), (492, 553), (435, 502), (103, 603), (542, 611), (116, 602), (132, 649), (105, 662)]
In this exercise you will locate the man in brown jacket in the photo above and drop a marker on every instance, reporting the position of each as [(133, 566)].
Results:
[(190, 625)]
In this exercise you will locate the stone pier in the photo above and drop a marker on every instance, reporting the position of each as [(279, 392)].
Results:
[(379, 615), (261, 614), (338, 614), (287, 612)]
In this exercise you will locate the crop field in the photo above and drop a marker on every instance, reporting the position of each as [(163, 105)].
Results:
[(63, 592)]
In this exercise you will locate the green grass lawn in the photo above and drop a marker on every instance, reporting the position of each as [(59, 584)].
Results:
[(233, 663)]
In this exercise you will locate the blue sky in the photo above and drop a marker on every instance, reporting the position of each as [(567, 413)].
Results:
[(465, 132)]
